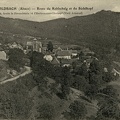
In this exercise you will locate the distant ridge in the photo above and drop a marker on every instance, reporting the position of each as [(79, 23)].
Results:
[(101, 28)]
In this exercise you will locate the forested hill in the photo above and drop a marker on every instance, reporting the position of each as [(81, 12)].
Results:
[(102, 28)]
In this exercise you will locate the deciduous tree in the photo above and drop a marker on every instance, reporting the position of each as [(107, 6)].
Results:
[(16, 58), (77, 110), (50, 46), (46, 111)]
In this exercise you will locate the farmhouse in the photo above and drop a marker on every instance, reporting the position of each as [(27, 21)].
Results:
[(64, 54), (55, 61), (66, 62), (15, 45), (48, 58), (74, 53)]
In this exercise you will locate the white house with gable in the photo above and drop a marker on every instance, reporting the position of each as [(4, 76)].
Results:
[(48, 58), (64, 54), (3, 55)]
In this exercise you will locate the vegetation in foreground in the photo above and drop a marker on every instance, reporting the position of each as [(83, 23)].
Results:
[(32, 97)]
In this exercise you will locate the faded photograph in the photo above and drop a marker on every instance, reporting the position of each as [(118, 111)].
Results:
[(59, 60)]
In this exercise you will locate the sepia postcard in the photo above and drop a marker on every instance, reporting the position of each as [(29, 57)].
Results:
[(59, 59)]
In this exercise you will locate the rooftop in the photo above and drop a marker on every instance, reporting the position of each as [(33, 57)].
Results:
[(55, 61), (64, 53), (29, 43)]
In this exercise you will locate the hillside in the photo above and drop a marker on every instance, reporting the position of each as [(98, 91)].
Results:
[(101, 28)]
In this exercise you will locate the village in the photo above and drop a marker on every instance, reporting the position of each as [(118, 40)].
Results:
[(58, 55)]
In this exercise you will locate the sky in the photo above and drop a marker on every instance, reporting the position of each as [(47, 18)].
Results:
[(45, 14)]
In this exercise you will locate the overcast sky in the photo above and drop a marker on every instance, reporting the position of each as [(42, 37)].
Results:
[(113, 5)]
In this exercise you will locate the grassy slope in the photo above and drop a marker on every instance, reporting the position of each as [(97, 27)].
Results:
[(59, 104)]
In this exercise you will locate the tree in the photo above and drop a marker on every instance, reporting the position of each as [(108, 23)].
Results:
[(109, 109), (95, 79), (91, 118), (1, 40), (81, 54), (50, 46), (66, 81), (80, 83), (74, 64), (95, 66), (15, 101), (46, 111), (16, 58), (57, 73), (41, 67), (110, 92), (28, 81), (91, 91), (65, 91), (53, 89), (66, 77), (35, 58), (83, 70), (107, 77), (3, 69), (101, 117), (77, 110)]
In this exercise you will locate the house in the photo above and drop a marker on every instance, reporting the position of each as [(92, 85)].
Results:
[(116, 72), (20, 46), (64, 54), (15, 45), (74, 53), (44, 49), (34, 45), (48, 58), (57, 49), (29, 46), (65, 62), (29, 43), (105, 69), (37, 46), (55, 61), (87, 51), (3, 55), (88, 61), (86, 57), (12, 72)]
